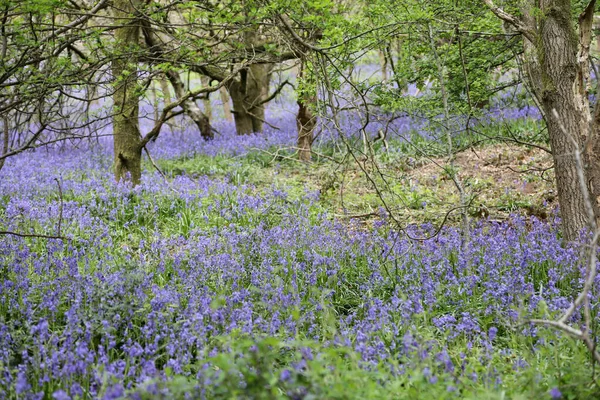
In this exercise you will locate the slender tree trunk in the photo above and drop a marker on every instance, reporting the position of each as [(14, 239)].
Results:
[(126, 133), (226, 106), (207, 106), (453, 171), (5, 140), (384, 65), (155, 100), (164, 88), (305, 120), (189, 106)]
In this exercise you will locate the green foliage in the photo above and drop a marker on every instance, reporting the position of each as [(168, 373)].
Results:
[(264, 367), (471, 46)]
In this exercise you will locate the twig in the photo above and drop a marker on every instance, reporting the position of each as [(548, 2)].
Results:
[(60, 209), (357, 216), (25, 235), (159, 170), (58, 228)]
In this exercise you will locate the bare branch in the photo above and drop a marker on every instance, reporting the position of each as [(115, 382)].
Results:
[(32, 235)]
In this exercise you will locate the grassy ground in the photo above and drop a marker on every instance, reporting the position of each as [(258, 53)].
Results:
[(498, 179)]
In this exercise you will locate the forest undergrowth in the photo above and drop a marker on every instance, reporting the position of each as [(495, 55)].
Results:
[(247, 274)]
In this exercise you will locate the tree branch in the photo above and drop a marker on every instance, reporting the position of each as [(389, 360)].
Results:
[(169, 107), (511, 19)]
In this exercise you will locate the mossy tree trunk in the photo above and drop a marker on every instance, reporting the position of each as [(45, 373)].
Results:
[(565, 118), (126, 133), (306, 122)]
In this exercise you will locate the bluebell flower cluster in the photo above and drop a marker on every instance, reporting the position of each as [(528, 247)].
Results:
[(153, 277)]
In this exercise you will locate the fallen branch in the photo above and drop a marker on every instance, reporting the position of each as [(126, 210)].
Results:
[(33, 235), (58, 235)]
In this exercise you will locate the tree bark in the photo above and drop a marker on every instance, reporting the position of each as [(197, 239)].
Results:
[(6, 139), (559, 72), (249, 92), (164, 87), (305, 121), (384, 65), (568, 121), (247, 95), (126, 133), (207, 106), (226, 105), (567, 117)]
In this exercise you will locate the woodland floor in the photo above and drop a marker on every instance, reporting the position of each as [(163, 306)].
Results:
[(499, 180)]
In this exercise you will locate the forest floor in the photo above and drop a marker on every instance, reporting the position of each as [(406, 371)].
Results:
[(498, 180)]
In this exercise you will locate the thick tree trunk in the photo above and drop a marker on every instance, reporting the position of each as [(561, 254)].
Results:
[(247, 95), (126, 133), (567, 120), (559, 69)]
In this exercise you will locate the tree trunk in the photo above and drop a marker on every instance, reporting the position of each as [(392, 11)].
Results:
[(533, 72), (190, 108), (384, 65), (164, 88), (559, 69), (207, 106), (6, 139), (126, 133), (305, 120), (567, 120), (155, 100), (226, 105), (247, 95)]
